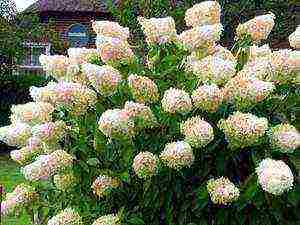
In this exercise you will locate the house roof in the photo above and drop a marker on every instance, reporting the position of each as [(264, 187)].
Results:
[(71, 6)]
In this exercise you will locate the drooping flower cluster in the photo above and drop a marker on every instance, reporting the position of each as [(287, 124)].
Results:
[(176, 101), (47, 165), (204, 13), (284, 138), (67, 216), (274, 176), (214, 69), (21, 196), (294, 38), (243, 129), (111, 41), (245, 92), (32, 113), (15, 134), (116, 123), (75, 97), (55, 65), (158, 30), (177, 155), (222, 191), (197, 132), (258, 28), (207, 97), (141, 114), (145, 165), (103, 184), (104, 79), (64, 181), (143, 89), (78, 56), (109, 219)]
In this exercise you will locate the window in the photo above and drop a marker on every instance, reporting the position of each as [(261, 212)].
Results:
[(33, 52), (78, 35)]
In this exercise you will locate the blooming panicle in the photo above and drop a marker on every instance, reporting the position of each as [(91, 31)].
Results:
[(67, 216), (158, 30), (145, 165), (75, 97), (204, 13), (207, 97), (222, 191), (245, 92), (197, 132), (214, 69), (284, 138), (224, 53), (104, 79), (201, 36), (55, 65), (32, 113), (258, 52), (258, 28), (50, 132), (141, 114), (243, 129), (47, 165), (33, 148), (176, 101), (177, 155), (110, 29), (109, 219), (64, 181), (103, 184), (274, 176), (21, 196), (143, 89), (81, 55), (15, 134), (116, 123), (294, 38)]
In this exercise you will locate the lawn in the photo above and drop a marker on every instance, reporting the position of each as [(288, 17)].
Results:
[(9, 177)]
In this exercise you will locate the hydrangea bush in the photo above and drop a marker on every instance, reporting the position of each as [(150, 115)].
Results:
[(183, 133)]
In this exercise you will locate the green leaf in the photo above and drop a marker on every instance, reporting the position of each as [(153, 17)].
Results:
[(136, 220), (93, 161)]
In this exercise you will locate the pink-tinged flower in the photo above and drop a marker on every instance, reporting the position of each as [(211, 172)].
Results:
[(207, 97), (145, 165), (214, 69), (224, 53), (67, 216), (104, 79), (55, 65), (177, 155), (243, 129), (110, 29), (204, 13), (284, 138), (245, 92), (200, 37), (176, 101), (109, 219), (116, 123), (47, 165), (158, 30), (64, 181), (32, 113), (141, 114), (258, 28), (33, 148), (198, 133), (81, 55), (274, 176), (222, 191), (20, 197), (103, 184), (294, 38), (143, 89), (15, 134)]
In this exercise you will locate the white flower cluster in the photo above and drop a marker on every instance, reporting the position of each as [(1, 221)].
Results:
[(222, 191), (294, 38), (15, 134), (145, 165), (109, 219), (67, 216), (103, 184), (274, 176)]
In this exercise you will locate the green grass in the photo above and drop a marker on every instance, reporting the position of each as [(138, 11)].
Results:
[(10, 176)]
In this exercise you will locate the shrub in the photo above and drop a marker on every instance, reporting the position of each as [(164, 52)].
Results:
[(125, 142)]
